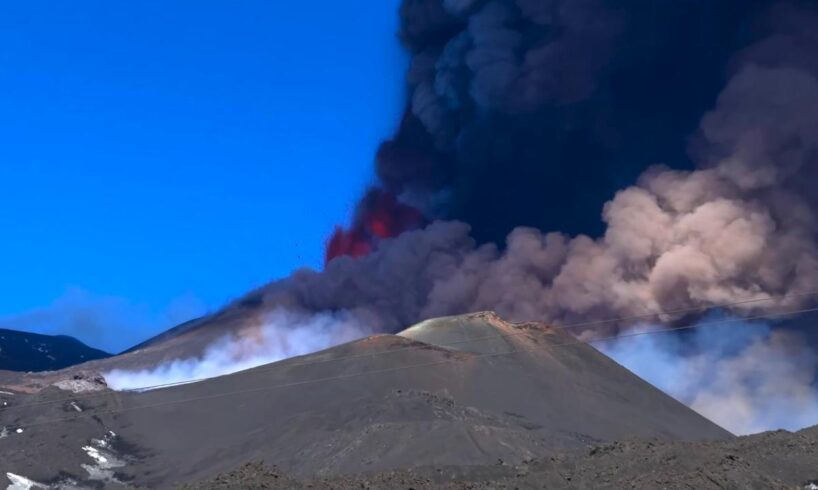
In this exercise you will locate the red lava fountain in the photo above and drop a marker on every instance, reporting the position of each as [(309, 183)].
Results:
[(379, 215)]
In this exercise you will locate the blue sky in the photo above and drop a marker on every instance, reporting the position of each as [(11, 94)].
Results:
[(174, 154)]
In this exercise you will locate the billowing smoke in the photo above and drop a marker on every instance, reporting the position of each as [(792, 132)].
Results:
[(738, 228), (526, 116), (555, 95), (533, 113), (743, 376)]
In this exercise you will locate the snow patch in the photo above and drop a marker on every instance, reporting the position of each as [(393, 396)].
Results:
[(94, 454), (6, 393), (76, 407), (100, 443), (104, 458), (22, 483)]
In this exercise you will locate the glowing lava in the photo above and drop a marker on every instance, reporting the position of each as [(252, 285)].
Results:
[(379, 215)]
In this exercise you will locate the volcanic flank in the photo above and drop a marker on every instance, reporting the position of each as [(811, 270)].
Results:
[(462, 390)]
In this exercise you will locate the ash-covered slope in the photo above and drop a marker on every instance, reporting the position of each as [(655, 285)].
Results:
[(455, 391), (771, 460), (25, 351)]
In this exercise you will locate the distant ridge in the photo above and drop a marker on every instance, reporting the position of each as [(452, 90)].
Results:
[(25, 351)]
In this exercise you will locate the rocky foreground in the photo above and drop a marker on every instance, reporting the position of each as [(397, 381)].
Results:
[(773, 460)]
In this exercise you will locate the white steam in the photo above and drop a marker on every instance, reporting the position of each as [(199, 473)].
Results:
[(743, 376), (284, 334)]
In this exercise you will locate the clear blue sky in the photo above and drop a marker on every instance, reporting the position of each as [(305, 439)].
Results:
[(158, 149)]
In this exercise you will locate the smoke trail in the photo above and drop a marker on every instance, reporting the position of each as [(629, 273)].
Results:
[(745, 377), (282, 335)]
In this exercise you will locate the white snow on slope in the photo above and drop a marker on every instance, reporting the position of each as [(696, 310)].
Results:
[(22, 483), (104, 458)]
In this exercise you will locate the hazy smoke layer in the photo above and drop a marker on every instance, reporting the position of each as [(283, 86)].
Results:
[(744, 377), (283, 335), (109, 323)]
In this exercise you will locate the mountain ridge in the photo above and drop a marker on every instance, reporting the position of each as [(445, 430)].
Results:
[(34, 352)]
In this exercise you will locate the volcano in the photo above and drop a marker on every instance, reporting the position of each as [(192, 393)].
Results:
[(463, 390)]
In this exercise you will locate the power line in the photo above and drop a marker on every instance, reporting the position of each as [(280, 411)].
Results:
[(569, 326), (692, 309), (412, 366)]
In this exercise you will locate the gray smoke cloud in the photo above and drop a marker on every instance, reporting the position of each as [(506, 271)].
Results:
[(738, 228)]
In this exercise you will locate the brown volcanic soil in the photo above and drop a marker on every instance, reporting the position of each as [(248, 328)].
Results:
[(388, 402), (773, 460)]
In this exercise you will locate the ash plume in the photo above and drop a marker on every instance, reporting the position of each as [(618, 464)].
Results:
[(690, 125), (739, 226), (520, 108)]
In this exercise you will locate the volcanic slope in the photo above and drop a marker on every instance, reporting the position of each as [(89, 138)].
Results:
[(465, 390)]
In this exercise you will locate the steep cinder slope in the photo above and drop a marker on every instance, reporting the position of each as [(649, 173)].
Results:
[(440, 394)]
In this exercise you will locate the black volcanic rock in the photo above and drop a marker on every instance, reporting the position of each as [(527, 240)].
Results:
[(24, 351)]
